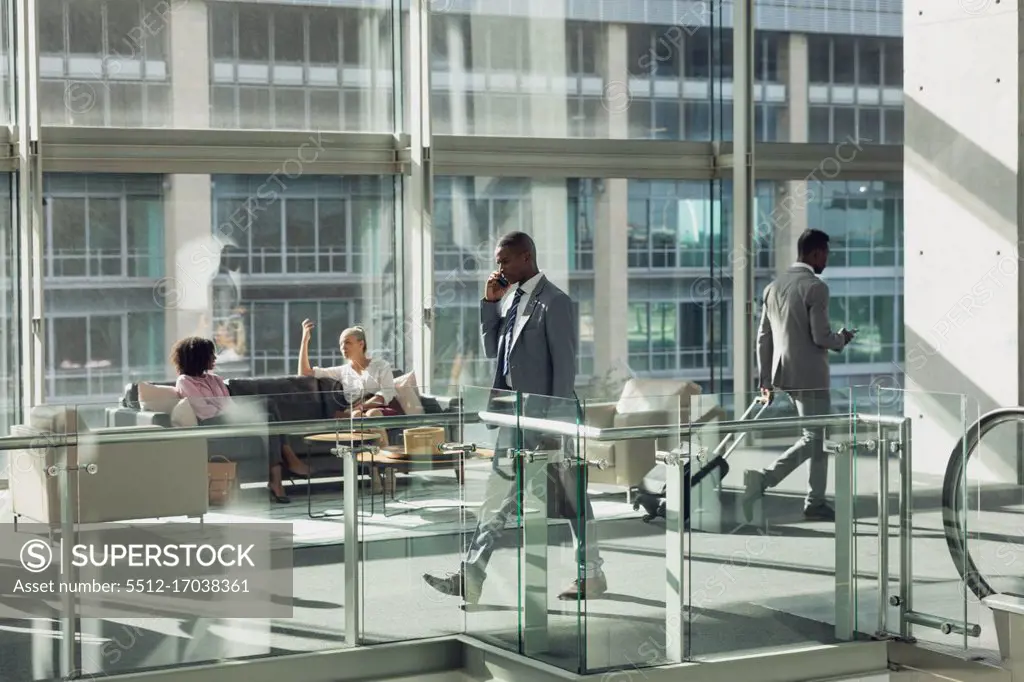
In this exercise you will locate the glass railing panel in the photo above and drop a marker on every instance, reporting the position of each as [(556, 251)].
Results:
[(634, 624), (768, 571), (930, 599), (160, 470), (492, 546), (560, 561), (150, 491), (879, 411), (41, 641), (412, 512)]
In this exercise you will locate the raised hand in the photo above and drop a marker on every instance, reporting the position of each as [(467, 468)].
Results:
[(307, 330)]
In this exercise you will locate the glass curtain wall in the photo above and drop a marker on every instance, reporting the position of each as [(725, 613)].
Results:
[(232, 172), (134, 261)]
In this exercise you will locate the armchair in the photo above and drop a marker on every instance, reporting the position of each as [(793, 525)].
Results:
[(643, 402)]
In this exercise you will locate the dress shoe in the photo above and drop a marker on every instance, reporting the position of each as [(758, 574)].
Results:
[(456, 585), (588, 588), (819, 512)]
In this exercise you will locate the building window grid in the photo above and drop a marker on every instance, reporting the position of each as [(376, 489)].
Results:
[(843, 253), (452, 257), (59, 260), (349, 105), (659, 345), (282, 361), (890, 350), (77, 101), (284, 259), (100, 381)]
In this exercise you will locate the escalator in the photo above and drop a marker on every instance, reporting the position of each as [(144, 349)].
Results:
[(954, 513)]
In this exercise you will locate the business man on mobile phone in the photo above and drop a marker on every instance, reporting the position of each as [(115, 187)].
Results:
[(528, 325), (793, 342)]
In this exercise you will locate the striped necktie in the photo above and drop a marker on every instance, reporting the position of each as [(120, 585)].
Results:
[(510, 327)]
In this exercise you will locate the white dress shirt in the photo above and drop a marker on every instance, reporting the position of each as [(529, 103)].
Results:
[(377, 379), (798, 264), (506, 304)]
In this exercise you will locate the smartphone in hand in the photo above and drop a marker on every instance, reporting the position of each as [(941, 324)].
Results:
[(502, 281)]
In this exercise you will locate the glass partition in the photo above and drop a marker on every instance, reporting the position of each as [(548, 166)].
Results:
[(492, 556), (561, 563), (413, 509), (162, 476), (770, 568), (631, 446), (909, 583)]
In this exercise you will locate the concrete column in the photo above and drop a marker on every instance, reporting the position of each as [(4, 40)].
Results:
[(962, 197), (190, 255), (458, 79), (376, 57), (788, 217), (548, 117), (611, 278), (785, 222), (190, 67), (796, 117)]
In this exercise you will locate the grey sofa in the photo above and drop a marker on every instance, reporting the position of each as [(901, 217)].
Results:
[(288, 398)]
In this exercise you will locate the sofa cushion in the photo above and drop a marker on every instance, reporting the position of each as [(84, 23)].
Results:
[(409, 393), (183, 414), (130, 397), (157, 398), (656, 395)]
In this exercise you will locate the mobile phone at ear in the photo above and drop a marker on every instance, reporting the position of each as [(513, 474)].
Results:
[(502, 281)]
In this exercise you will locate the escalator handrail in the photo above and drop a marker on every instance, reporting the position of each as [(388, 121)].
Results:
[(953, 513)]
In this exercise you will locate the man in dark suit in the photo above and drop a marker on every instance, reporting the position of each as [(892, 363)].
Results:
[(529, 325)]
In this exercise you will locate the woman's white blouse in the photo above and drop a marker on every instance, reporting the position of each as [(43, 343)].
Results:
[(376, 379)]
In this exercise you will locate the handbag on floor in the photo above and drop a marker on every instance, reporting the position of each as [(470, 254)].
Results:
[(223, 480)]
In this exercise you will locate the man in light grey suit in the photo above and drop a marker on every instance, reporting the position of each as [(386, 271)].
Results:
[(793, 342), (529, 325)]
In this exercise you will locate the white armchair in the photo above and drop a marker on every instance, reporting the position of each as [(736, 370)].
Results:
[(643, 402), (145, 479)]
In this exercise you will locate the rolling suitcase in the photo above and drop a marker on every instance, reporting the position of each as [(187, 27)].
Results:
[(650, 493)]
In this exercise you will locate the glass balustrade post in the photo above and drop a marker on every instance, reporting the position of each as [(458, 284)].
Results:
[(881, 450), (350, 473), (69, 621), (534, 557), (846, 618), (906, 527), (676, 545)]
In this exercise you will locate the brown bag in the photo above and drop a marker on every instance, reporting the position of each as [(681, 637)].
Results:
[(223, 483)]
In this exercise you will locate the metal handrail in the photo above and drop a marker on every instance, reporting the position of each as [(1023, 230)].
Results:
[(549, 426), (617, 433), (132, 434)]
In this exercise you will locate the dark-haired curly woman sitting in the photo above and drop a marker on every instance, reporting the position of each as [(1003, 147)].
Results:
[(194, 359)]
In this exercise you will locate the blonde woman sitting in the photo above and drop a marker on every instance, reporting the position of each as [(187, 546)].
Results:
[(369, 383)]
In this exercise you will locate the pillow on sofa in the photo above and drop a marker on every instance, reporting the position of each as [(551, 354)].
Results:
[(656, 395), (183, 414), (155, 398), (408, 394)]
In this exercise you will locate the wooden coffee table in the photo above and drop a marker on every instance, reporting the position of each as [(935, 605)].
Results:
[(349, 438), (389, 461)]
